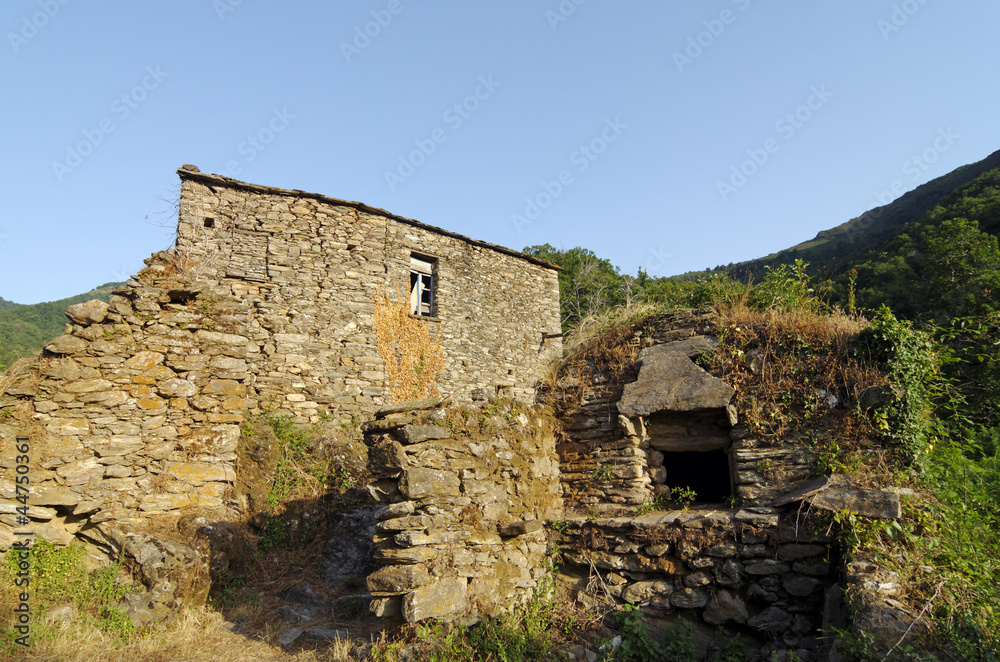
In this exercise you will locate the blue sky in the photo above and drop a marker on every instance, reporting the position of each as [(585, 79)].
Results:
[(671, 136)]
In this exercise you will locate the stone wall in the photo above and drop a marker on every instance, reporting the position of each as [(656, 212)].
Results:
[(753, 567), (306, 268), (467, 495), (137, 412), (755, 553)]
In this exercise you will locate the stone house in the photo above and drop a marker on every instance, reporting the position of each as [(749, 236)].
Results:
[(265, 303), (306, 268)]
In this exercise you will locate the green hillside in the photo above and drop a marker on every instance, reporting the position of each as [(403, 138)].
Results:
[(833, 250), (24, 329)]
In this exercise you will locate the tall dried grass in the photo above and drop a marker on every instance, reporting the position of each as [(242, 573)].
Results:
[(198, 635), (413, 360)]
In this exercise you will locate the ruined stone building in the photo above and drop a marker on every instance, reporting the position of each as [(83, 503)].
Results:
[(138, 413), (264, 304)]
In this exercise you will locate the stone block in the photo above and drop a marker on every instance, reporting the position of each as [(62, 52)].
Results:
[(414, 434), (197, 473), (670, 381), (88, 312), (418, 483), (689, 598), (725, 606), (67, 344), (398, 579), (445, 599)]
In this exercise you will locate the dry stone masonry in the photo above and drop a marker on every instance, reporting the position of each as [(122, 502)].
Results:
[(141, 420), (135, 415), (753, 551), (462, 532)]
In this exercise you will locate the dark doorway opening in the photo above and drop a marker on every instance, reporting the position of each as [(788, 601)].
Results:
[(707, 473)]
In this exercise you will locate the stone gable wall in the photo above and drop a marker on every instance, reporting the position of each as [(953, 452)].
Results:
[(265, 305), (308, 267)]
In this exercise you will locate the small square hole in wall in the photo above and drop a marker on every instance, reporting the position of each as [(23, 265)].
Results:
[(209, 222)]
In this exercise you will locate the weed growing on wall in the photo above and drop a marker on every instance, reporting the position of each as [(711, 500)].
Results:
[(413, 359)]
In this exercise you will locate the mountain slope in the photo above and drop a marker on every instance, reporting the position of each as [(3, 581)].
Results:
[(830, 250), (24, 329)]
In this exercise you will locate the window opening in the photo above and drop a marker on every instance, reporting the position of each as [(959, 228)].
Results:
[(422, 285)]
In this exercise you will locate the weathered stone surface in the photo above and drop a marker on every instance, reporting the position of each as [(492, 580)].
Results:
[(418, 483), (800, 586), (520, 528), (386, 457), (690, 347), (177, 388), (88, 312), (670, 381), (840, 494), (412, 523), (689, 598), (413, 405), (398, 578), (444, 599), (772, 620), (164, 502), (401, 509), (646, 590), (404, 555), (144, 360), (34, 512), (765, 567), (725, 606), (66, 344), (349, 548), (414, 434), (197, 473), (54, 496)]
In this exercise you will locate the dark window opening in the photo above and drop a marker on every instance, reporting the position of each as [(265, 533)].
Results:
[(707, 473), (422, 285), (209, 222)]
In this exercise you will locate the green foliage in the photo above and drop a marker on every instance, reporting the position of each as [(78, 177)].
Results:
[(733, 649), (600, 473), (638, 645), (910, 360), (25, 329), (58, 577), (526, 635), (785, 288), (590, 285)]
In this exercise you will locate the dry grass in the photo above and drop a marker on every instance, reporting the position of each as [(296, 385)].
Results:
[(15, 372), (198, 635), (413, 360)]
